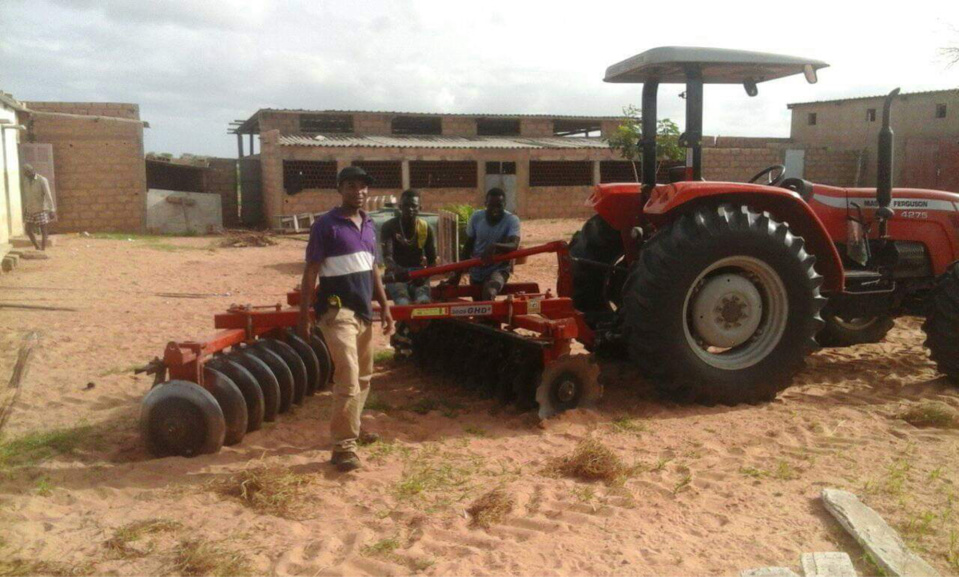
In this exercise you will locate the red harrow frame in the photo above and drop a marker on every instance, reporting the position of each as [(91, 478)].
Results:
[(212, 391)]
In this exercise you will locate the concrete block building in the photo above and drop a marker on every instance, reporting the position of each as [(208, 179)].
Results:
[(92, 152), (926, 127), (547, 164)]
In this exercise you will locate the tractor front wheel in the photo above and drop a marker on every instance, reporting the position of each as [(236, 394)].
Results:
[(723, 307), (942, 324), (843, 332)]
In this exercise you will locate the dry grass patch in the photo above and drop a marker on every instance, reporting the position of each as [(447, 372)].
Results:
[(198, 557), (120, 544), (24, 568), (591, 461), (266, 490), (931, 414), (491, 508)]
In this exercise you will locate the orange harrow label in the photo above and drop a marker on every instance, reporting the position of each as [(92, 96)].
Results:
[(534, 306), (471, 310), (429, 312)]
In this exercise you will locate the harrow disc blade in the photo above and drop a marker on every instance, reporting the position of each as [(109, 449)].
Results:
[(310, 361), (180, 418), (292, 360), (568, 382), (246, 382), (324, 358), (284, 376), (231, 401), (265, 380)]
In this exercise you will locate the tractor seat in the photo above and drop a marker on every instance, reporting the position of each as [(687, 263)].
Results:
[(803, 187)]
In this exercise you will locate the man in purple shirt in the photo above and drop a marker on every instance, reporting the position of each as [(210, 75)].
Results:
[(342, 251)]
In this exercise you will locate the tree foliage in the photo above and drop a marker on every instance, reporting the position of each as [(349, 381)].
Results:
[(626, 140)]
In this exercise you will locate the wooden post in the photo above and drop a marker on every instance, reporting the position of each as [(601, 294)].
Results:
[(239, 144)]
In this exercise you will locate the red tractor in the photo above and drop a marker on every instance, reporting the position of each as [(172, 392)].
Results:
[(719, 290)]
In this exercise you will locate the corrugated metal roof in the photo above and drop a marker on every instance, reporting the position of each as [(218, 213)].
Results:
[(247, 125), (880, 96), (458, 142)]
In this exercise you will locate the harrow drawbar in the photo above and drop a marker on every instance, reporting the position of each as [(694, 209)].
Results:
[(211, 392)]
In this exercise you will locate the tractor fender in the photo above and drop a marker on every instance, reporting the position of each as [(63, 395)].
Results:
[(667, 202)]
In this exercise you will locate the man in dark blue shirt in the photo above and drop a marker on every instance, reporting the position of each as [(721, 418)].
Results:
[(342, 251)]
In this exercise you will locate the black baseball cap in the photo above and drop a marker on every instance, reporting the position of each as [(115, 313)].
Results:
[(354, 172)]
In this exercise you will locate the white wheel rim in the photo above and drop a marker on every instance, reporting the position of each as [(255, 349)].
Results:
[(735, 313)]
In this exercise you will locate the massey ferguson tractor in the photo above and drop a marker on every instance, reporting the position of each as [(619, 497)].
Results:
[(716, 290)]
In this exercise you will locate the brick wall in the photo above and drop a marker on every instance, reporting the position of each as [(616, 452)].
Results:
[(737, 164), (101, 175), (113, 109), (221, 179), (536, 127), (830, 166), (459, 126), (558, 202)]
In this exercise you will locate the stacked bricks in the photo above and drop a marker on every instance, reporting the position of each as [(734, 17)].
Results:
[(100, 172), (459, 126), (111, 109), (833, 167), (221, 179), (533, 127)]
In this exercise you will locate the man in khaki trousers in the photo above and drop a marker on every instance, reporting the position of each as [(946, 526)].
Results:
[(342, 252)]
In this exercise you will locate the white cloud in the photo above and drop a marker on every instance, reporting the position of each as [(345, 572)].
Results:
[(195, 66)]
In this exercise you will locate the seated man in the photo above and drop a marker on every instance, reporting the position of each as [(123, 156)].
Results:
[(489, 232), (408, 245)]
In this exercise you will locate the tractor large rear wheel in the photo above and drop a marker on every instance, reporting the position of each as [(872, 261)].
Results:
[(942, 324), (723, 307)]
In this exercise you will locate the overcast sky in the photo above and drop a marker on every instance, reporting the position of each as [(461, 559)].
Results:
[(194, 66)]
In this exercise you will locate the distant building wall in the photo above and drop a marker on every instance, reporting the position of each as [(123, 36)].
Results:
[(112, 109), (99, 166), (849, 125), (221, 179)]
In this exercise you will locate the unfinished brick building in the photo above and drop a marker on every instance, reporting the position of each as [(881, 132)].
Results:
[(99, 177), (547, 164)]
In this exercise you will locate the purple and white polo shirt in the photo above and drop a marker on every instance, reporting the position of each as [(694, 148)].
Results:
[(346, 256)]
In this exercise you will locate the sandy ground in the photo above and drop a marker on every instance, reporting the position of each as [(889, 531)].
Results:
[(717, 490)]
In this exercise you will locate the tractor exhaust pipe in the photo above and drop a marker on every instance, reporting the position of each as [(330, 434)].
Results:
[(885, 166)]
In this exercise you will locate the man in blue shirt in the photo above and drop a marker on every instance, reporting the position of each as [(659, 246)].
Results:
[(489, 232), (341, 251)]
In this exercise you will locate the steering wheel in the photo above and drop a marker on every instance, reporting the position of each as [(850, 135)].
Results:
[(778, 169)]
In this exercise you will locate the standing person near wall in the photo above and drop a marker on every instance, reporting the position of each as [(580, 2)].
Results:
[(490, 232), (38, 205), (342, 251)]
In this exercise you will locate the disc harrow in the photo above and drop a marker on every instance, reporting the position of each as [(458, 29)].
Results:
[(212, 392)]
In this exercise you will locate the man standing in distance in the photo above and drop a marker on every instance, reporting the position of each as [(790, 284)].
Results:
[(37, 205), (342, 251), (489, 232)]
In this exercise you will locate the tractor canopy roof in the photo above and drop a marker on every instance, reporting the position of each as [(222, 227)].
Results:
[(672, 64)]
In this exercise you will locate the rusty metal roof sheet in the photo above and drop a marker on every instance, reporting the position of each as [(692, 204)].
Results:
[(456, 142)]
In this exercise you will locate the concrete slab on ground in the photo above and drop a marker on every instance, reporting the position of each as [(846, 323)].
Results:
[(834, 564), (878, 539), (768, 572)]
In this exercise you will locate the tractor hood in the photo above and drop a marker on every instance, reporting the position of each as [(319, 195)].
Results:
[(671, 64)]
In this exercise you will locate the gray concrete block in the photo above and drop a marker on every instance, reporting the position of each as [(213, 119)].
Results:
[(768, 572), (835, 564), (878, 539)]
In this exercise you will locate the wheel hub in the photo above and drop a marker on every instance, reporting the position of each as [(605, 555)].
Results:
[(727, 310), (566, 391)]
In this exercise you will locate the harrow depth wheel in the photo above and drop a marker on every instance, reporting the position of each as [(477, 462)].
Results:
[(231, 402), (180, 418), (567, 383)]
